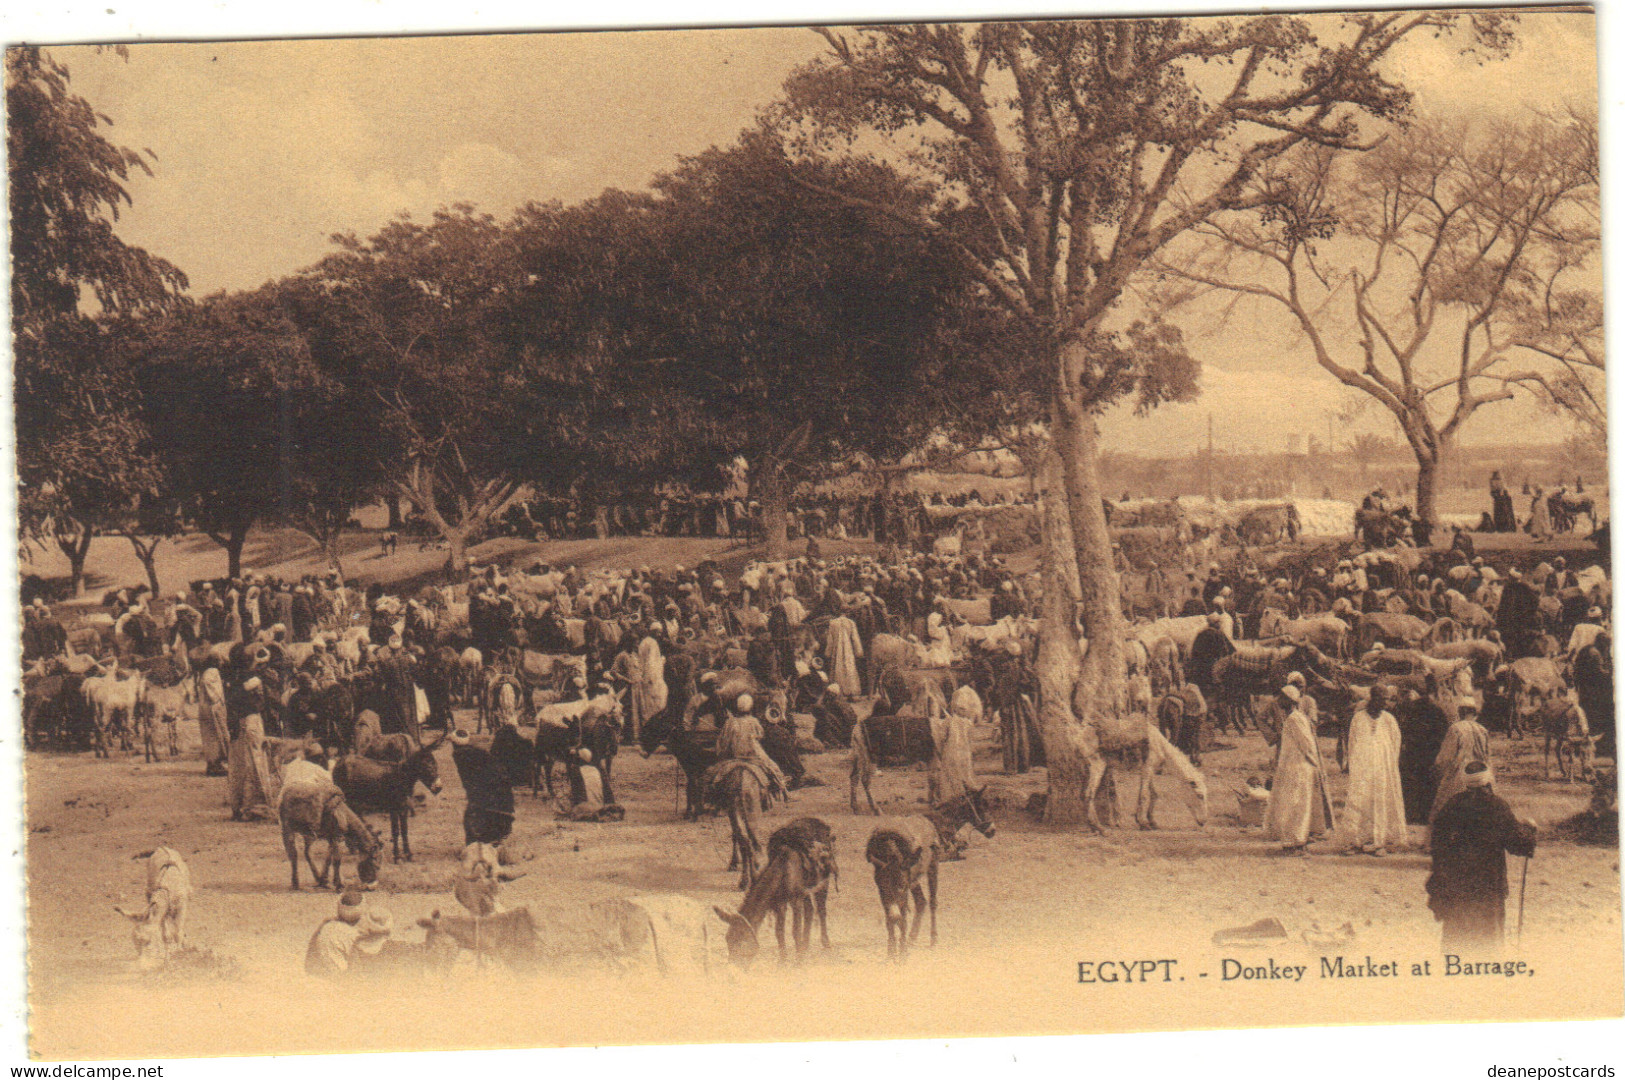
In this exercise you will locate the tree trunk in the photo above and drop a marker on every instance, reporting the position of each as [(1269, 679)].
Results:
[(77, 549), (393, 501), (148, 554), (1067, 743), (235, 540), (1427, 482), (775, 499), (457, 555), (1101, 681)]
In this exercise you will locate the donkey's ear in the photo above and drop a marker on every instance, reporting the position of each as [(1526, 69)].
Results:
[(732, 918), (133, 916)]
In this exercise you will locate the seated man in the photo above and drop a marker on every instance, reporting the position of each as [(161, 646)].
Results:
[(357, 931), (741, 740)]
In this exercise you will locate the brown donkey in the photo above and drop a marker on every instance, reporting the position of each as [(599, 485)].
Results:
[(905, 854), (800, 867)]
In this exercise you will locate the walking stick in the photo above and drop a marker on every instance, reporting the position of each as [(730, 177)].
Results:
[(1523, 882)]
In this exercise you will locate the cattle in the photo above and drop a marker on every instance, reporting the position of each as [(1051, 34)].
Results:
[(1394, 631), (312, 808), (562, 729), (161, 925), (112, 699), (1182, 631), (1486, 654), (1327, 633), (374, 787), (161, 699), (1528, 682), (470, 676), (1477, 620), (547, 671)]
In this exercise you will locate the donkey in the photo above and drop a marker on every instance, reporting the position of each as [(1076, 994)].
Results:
[(905, 854), (161, 925), (372, 787), (316, 811), (800, 867)]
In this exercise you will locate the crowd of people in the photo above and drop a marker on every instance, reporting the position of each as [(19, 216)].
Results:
[(784, 657), (893, 516)]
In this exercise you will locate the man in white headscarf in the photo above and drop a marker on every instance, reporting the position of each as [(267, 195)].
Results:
[(1374, 810), (211, 721), (1298, 806), (1466, 743)]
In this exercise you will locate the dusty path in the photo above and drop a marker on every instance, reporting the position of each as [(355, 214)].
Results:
[(1016, 916)]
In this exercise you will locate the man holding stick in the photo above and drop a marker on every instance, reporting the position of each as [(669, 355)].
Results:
[(1467, 890)]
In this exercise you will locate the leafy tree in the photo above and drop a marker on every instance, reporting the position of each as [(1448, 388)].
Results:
[(404, 321), (79, 448), (249, 428), (803, 334), (1061, 157)]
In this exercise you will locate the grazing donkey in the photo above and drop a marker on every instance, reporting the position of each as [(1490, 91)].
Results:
[(800, 867)]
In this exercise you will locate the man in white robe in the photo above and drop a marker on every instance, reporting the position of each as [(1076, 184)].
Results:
[(843, 648), (1374, 811), (1297, 809)]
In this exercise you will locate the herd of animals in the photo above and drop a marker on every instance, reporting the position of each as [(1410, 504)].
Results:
[(346, 748)]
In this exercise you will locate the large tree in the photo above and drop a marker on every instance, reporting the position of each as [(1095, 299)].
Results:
[(806, 334), (1063, 156), (250, 430), (79, 448), (1417, 270), (405, 321)]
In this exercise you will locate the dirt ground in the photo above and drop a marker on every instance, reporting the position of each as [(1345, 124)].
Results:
[(1016, 917)]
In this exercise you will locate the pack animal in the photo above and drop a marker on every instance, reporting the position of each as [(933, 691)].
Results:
[(313, 810), (374, 787), (905, 855), (800, 867)]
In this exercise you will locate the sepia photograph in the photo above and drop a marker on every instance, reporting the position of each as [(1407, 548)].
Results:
[(889, 530)]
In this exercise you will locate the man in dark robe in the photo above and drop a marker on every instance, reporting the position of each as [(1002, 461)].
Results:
[(778, 628), (762, 659), (1422, 726), (1209, 648), (1518, 617), (1467, 889), (1594, 684), (488, 818), (398, 697), (513, 754)]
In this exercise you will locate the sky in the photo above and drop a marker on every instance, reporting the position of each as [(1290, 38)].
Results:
[(265, 149)]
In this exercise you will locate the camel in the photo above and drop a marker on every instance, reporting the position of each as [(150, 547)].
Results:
[(1136, 743)]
